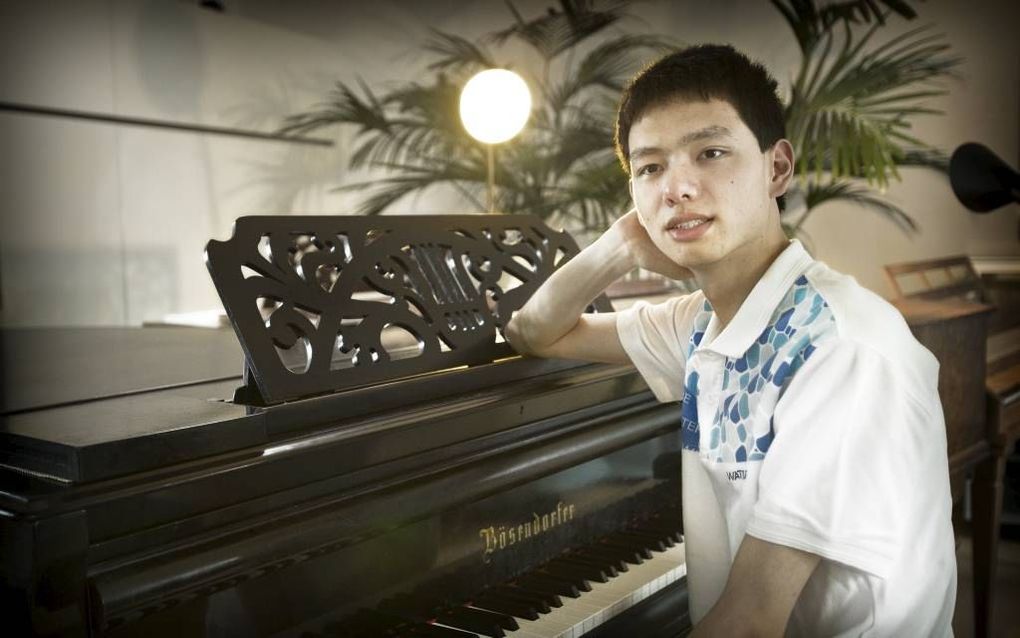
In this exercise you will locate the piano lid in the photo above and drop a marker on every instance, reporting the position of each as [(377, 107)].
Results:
[(49, 367), (294, 290)]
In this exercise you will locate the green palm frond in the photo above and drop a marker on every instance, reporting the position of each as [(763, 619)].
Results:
[(560, 30), (344, 107), (931, 158), (811, 23), (457, 54), (608, 66), (850, 112), (594, 194), (421, 122), (817, 194), (575, 142), (406, 179)]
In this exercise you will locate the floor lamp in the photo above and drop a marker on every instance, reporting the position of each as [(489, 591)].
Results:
[(494, 106)]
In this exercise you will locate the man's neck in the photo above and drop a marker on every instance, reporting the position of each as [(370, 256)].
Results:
[(727, 284)]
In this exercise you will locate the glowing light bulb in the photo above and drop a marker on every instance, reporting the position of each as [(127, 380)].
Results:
[(495, 105)]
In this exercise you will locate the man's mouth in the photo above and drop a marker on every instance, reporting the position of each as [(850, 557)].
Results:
[(691, 224), (686, 226)]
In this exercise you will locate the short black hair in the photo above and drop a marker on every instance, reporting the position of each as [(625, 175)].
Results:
[(704, 72)]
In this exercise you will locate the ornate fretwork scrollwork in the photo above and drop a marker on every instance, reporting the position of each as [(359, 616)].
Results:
[(325, 303)]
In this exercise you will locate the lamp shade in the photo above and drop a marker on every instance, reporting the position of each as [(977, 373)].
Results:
[(495, 105), (981, 180)]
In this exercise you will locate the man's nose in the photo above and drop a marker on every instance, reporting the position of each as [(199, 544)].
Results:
[(679, 186)]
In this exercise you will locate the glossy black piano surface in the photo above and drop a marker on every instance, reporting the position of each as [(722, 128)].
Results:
[(138, 499), (151, 511)]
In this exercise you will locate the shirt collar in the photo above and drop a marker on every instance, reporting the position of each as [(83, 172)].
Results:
[(756, 311)]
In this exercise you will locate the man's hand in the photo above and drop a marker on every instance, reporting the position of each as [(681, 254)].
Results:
[(764, 584), (644, 253)]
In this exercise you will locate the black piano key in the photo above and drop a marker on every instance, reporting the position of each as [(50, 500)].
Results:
[(642, 551), (562, 586), (613, 562), (538, 604), (570, 570), (609, 570), (529, 583), (607, 557), (506, 621), (436, 631), (667, 539), (652, 535), (552, 600), (654, 544), (521, 610), (476, 620), (671, 527), (673, 535), (627, 555), (666, 532)]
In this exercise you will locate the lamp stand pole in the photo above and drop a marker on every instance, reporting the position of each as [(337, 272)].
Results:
[(491, 200)]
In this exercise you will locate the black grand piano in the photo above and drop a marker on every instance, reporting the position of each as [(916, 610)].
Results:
[(361, 455)]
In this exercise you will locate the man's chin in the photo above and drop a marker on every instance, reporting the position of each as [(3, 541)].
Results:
[(696, 259)]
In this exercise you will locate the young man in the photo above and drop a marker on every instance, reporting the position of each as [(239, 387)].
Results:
[(815, 476)]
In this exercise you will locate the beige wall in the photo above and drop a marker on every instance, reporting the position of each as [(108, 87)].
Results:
[(104, 224)]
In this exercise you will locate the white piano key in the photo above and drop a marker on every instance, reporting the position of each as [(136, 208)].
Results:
[(580, 615)]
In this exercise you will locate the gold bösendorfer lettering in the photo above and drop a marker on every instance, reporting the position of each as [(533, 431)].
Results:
[(498, 537)]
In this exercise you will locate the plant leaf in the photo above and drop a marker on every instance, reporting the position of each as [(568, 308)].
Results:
[(818, 194)]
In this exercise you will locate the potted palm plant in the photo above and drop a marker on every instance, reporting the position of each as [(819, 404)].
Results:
[(561, 167), (851, 104), (849, 113)]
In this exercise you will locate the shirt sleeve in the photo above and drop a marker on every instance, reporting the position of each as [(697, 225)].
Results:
[(655, 338), (845, 452)]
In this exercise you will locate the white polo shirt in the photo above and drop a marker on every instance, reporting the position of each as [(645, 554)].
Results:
[(812, 421)]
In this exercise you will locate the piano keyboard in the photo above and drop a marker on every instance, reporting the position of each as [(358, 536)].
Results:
[(568, 596), (581, 615)]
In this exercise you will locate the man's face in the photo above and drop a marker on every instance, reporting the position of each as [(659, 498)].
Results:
[(703, 189)]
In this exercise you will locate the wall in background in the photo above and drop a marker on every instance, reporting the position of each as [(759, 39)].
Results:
[(104, 223)]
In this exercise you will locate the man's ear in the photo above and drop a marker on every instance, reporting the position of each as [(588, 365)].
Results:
[(781, 155)]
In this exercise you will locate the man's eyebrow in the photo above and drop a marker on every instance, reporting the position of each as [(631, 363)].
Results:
[(708, 132), (705, 133)]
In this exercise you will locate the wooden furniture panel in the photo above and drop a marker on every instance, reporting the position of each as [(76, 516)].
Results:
[(940, 291)]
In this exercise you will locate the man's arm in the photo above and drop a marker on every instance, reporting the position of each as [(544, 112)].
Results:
[(552, 323), (765, 581)]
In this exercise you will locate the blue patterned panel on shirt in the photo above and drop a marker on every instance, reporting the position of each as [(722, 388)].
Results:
[(689, 409), (742, 427)]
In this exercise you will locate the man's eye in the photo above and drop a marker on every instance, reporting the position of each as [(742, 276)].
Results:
[(648, 169), (713, 153)]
